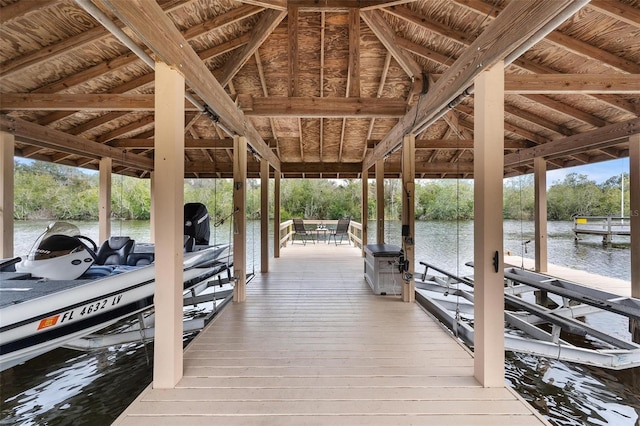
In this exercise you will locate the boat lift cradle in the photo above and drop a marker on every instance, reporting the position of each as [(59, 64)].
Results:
[(450, 299)]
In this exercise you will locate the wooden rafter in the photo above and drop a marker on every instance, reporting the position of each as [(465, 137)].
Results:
[(267, 23), (617, 10), (38, 135), (151, 25), (516, 24), (387, 37), (613, 134)]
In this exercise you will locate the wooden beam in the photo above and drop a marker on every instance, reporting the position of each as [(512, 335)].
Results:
[(353, 90), (617, 10), (387, 37), (7, 194), (37, 135), (408, 216), (572, 83), (322, 107), (268, 4), (267, 23), (341, 5), (264, 216), (292, 27), (333, 168), (239, 218), (79, 102), (158, 32), (613, 134), (189, 143), (515, 25)]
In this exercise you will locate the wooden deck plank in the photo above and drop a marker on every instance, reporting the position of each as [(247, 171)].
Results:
[(331, 420), (313, 345)]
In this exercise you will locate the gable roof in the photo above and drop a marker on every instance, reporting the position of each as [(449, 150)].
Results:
[(321, 88)]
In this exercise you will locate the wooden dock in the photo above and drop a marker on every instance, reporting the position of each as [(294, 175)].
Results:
[(606, 226), (313, 345)]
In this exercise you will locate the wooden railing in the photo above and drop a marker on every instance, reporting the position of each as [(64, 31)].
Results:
[(354, 233), (607, 226)]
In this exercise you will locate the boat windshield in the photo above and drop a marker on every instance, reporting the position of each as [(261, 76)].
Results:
[(55, 241)]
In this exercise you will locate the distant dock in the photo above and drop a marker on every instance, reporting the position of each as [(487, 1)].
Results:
[(607, 226)]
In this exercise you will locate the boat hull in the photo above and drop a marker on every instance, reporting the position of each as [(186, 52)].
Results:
[(36, 326)]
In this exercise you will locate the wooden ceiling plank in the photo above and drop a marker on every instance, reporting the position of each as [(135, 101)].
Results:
[(131, 127), (64, 46), (19, 9), (75, 145), (564, 41), (515, 25), (613, 134), (152, 26), (99, 121), (265, 26), (465, 40)]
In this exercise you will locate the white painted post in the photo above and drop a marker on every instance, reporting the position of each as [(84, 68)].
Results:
[(168, 195), (365, 209), (104, 210), (634, 216), (239, 216), (380, 202), (634, 220), (276, 214), (408, 215), (488, 245), (540, 215), (264, 216), (7, 140)]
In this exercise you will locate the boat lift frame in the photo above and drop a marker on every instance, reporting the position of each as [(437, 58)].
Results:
[(450, 299)]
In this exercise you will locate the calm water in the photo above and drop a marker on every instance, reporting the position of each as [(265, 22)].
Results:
[(65, 387)]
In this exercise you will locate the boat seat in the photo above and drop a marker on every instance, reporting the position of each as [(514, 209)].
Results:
[(115, 251), (140, 259)]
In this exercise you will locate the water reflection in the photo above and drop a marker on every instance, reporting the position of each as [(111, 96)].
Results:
[(65, 387)]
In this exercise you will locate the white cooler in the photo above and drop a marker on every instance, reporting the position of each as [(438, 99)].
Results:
[(381, 268)]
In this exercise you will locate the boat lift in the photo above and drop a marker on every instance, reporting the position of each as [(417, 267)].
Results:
[(535, 328), (217, 290)]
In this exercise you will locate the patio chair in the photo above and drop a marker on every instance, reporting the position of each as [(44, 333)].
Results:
[(341, 230), (300, 231)]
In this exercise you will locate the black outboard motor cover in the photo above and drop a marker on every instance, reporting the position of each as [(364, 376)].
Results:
[(196, 222)]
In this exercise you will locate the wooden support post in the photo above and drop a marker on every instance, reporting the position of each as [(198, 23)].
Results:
[(152, 214), (380, 202), (365, 208), (7, 142), (104, 210), (634, 190), (489, 269), (276, 214), (239, 217), (408, 215), (540, 213), (169, 222), (264, 215)]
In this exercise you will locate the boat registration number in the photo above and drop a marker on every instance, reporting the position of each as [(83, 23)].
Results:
[(80, 312)]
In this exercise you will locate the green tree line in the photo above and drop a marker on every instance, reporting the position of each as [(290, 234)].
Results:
[(52, 191)]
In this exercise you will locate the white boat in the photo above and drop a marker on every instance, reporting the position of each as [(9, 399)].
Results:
[(58, 294)]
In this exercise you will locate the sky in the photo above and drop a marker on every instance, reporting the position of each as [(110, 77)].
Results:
[(598, 172)]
